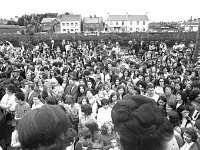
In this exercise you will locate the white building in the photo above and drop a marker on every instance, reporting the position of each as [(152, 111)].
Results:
[(127, 23), (191, 26), (70, 24)]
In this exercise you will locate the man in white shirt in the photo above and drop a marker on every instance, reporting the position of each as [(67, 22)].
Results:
[(151, 92), (104, 113)]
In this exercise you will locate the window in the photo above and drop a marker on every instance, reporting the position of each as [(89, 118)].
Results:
[(72, 24), (131, 22), (116, 22), (131, 29), (111, 23), (143, 22), (64, 30), (72, 30), (122, 22), (76, 24), (143, 29), (137, 29), (137, 23), (63, 24), (67, 24)]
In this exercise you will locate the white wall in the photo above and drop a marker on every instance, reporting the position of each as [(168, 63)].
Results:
[(71, 26)]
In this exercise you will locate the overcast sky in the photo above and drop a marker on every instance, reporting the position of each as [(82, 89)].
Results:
[(158, 10)]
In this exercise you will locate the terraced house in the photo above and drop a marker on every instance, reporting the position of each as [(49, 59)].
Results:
[(127, 23)]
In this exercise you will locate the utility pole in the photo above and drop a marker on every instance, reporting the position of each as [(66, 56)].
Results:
[(197, 46)]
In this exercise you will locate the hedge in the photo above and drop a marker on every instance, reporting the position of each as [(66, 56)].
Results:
[(123, 38)]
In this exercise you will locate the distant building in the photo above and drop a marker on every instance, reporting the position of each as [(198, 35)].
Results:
[(93, 24), (127, 23), (11, 29), (70, 24), (191, 25), (50, 24)]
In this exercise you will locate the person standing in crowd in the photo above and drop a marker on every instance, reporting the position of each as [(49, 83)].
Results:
[(50, 129), (90, 74), (140, 124)]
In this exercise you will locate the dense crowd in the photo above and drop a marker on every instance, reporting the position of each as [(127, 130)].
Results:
[(86, 80)]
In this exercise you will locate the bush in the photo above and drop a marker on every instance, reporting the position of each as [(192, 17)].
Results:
[(123, 38)]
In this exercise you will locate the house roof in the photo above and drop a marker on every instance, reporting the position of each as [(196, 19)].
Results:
[(47, 20), (128, 17), (92, 20), (70, 18), (192, 23)]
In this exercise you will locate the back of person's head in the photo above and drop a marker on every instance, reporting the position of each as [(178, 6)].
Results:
[(141, 124), (173, 118), (20, 96), (45, 128), (86, 109)]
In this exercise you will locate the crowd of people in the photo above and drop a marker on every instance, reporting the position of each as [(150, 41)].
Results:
[(88, 90)]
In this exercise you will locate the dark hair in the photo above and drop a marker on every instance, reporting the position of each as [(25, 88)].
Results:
[(141, 124), (45, 128), (92, 126), (59, 79), (20, 96), (81, 99), (11, 88), (190, 131), (104, 102), (173, 118), (105, 127), (85, 134), (50, 100), (87, 109), (167, 85), (111, 95)]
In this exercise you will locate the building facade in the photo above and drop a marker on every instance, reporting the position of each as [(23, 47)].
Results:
[(70, 24), (191, 26), (93, 24), (127, 23)]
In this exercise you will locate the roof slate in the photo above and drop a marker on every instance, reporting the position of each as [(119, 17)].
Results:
[(70, 18), (128, 17)]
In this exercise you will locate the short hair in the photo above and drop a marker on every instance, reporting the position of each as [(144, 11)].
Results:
[(50, 100), (11, 88), (59, 79), (44, 128), (85, 134), (20, 96), (141, 124), (106, 126), (150, 86), (190, 131), (174, 118), (104, 102), (87, 109), (167, 85)]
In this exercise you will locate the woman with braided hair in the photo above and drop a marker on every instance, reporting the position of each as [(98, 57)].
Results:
[(141, 125)]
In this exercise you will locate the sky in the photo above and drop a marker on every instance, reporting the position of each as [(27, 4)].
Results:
[(157, 10)]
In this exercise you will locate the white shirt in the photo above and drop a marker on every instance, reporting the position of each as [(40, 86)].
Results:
[(34, 106), (104, 115), (186, 146), (154, 97), (9, 101)]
